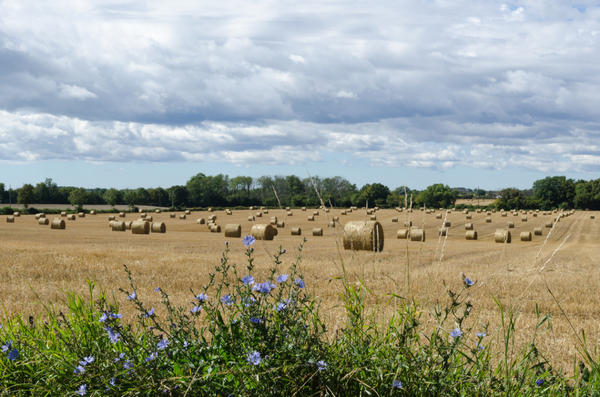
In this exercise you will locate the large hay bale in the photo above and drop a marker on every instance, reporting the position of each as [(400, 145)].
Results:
[(525, 236), (537, 231), (263, 231), (118, 226), (417, 234), (402, 234), (265, 211), (81, 214), (158, 227), (317, 231), (316, 213), (289, 213), (10, 219), (471, 235), (502, 236), (140, 227), (510, 225), (173, 215), (444, 231), (503, 214), (57, 223), (63, 214), (468, 226), (111, 218), (122, 215), (200, 221), (310, 218), (182, 216), (43, 221), (488, 219), (363, 236), (233, 230), (296, 231), (373, 217)]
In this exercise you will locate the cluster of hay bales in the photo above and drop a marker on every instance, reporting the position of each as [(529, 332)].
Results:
[(363, 235)]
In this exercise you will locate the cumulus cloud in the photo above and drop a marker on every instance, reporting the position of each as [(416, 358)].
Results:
[(419, 84)]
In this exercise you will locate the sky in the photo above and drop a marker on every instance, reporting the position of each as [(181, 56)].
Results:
[(473, 93)]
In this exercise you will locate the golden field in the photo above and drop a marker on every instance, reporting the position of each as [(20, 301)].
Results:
[(39, 264)]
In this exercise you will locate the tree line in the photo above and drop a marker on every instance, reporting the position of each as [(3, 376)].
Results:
[(220, 191)]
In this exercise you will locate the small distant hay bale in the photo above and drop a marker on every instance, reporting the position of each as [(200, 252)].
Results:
[(157, 211), (316, 213), (537, 231), (336, 218), (142, 215), (331, 224), (444, 231), (212, 218), (43, 221), (10, 219), (158, 227), (310, 218), (200, 221), (503, 214), (408, 224), (370, 211), (273, 220), (182, 216), (251, 218), (140, 210), (373, 217), (280, 224), (303, 208), (16, 214), (438, 216), (417, 234), (173, 215), (251, 208), (535, 214), (592, 217), (525, 236), (447, 224), (117, 226), (478, 210), (265, 211), (289, 213), (465, 211), (502, 236), (468, 226), (296, 231), (402, 234), (40, 215), (471, 235), (258, 214), (263, 231), (317, 231), (488, 219), (128, 225), (188, 212), (524, 218), (209, 209), (148, 218), (63, 214), (228, 212), (343, 212), (111, 218), (122, 215), (510, 225), (57, 223), (363, 236), (71, 217), (287, 208), (326, 209), (469, 216), (488, 213), (81, 214), (395, 220), (140, 227), (233, 230), (93, 212)]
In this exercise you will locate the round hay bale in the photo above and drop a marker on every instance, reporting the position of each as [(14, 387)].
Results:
[(469, 216), (310, 218), (447, 224), (263, 231), (10, 219), (281, 224), (158, 227), (468, 226), (417, 234), (408, 224), (402, 234), (212, 218), (57, 223), (444, 231), (233, 230), (502, 236), (303, 208), (251, 218), (438, 216), (525, 236), (287, 208), (511, 225), (488, 213), (535, 214), (111, 218), (63, 214), (173, 215), (258, 214), (331, 224), (118, 226), (265, 211), (128, 225), (93, 212), (326, 209), (188, 212), (122, 215), (465, 211), (148, 218), (503, 214), (363, 236), (343, 212), (373, 218), (524, 218), (40, 215), (488, 219), (200, 221), (317, 231), (140, 210), (142, 215), (537, 231), (471, 235), (140, 227), (289, 213), (395, 220), (43, 221), (71, 217), (592, 217), (81, 214), (336, 218), (369, 212), (251, 208), (296, 231), (273, 220), (316, 213), (182, 216), (16, 214), (157, 211)]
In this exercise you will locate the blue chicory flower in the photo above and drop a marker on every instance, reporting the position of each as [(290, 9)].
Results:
[(396, 384), (468, 282), (264, 288), (127, 365), (255, 320), (456, 332), (115, 315), (6, 346), (196, 309), (151, 356), (321, 365), (132, 296), (149, 313), (539, 382), (248, 280), (157, 289), (201, 297), (13, 354), (113, 335), (82, 391), (163, 344), (282, 278), (79, 370), (248, 240), (103, 318), (481, 334), (300, 283), (227, 300), (119, 357), (253, 358), (248, 301)]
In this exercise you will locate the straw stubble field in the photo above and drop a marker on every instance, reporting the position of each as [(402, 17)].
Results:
[(38, 264)]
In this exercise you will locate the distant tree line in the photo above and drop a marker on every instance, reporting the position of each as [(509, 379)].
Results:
[(220, 191)]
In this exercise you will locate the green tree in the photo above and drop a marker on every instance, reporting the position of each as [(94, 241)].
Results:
[(25, 195), (130, 198), (78, 197), (177, 196), (2, 194), (554, 191), (375, 194), (159, 196), (111, 196), (207, 191), (511, 198), (587, 194), (435, 196)]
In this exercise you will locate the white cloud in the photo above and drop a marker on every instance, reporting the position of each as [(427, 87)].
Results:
[(75, 92)]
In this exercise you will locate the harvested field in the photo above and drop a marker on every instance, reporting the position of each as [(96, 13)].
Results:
[(37, 261)]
